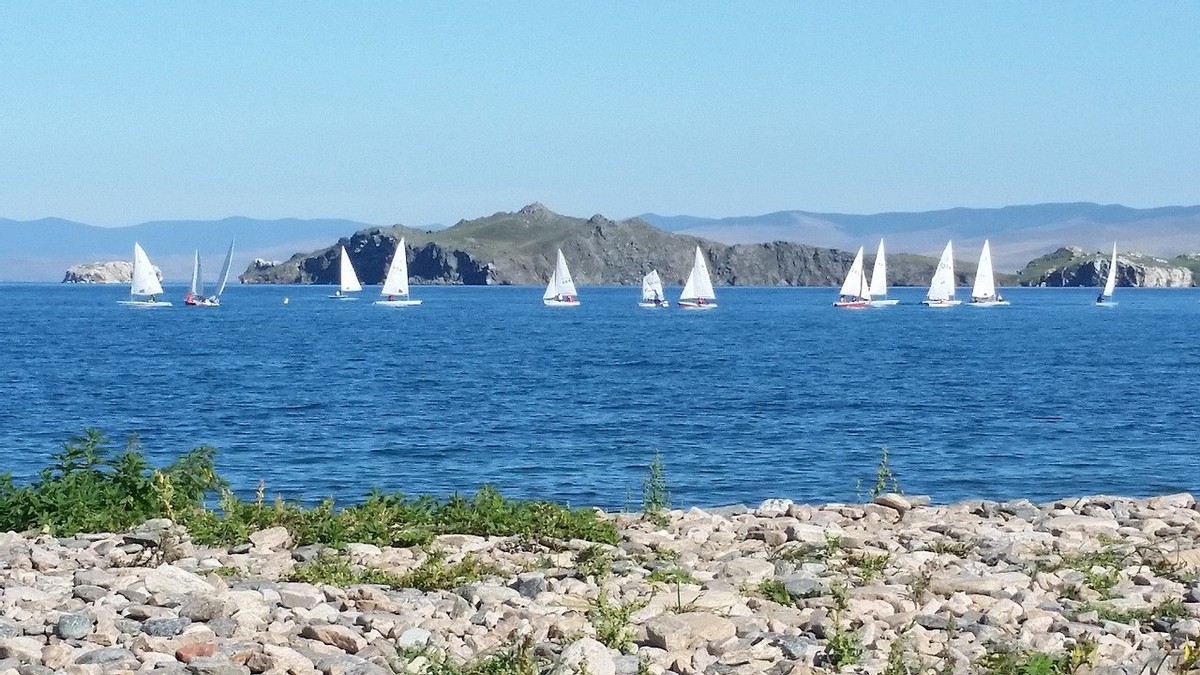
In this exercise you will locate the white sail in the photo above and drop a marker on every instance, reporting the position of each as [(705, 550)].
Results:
[(197, 287), (855, 285), (551, 287), (396, 282), (985, 277), (145, 281), (699, 284), (941, 288), (349, 280), (563, 284), (1110, 284), (652, 288), (224, 278), (879, 284)]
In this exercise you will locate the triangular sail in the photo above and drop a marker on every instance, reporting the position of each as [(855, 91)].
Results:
[(224, 277), (349, 280), (396, 282), (699, 284), (942, 285), (652, 288), (985, 278), (855, 285), (879, 285), (197, 287), (1110, 284), (145, 281), (563, 284), (551, 287)]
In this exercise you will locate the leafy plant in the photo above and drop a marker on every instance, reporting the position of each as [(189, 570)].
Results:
[(885, 478), (595, 562), (612, 621), (671, 575), (432, 574), (775, 591), (656, 496), (518, 658)]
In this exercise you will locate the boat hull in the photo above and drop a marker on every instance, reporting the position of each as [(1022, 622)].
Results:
[(144, 304), (1106, 303), (990, 303), (884, 303), (397, 303), (560, 303), (654, 305), (939, 304), (854, 304), (202, 302), (342, 297), (687, 304)]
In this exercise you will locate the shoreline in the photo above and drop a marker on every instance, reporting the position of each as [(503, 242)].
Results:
[(1094, 584)]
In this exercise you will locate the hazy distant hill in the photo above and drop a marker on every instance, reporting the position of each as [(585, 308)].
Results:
[(519, 248), (41, 250), (1017, 233)]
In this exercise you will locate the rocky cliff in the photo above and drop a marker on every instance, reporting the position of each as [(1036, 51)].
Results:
[(519, 248), (111, 272), (1071, 266)]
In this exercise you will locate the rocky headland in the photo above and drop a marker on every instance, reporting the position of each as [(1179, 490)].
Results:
[(1088, 585), (1072, 266), (519, 248), (111, 272)]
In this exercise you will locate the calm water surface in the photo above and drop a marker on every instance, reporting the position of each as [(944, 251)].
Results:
[(773, 394)]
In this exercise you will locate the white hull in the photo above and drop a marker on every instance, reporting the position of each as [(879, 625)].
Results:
[(145, 304), (342, 297), (884, 303), (1106, 303), (202, 302), (560, 303), (941, 303), (397, 303), (654, 305), (990, 303), (694, 305)]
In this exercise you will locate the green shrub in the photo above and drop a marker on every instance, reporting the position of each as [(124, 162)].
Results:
[(612, 621), (656, 497), (90, 488), (433, 574)]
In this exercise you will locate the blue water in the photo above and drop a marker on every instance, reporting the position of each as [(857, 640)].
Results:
[(773, 394)]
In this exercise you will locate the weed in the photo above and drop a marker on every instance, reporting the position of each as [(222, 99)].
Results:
[(517, 658), (844, 646), (656, 497), (90, 488), (1019, 662), (869, 567), (612, 621), (432, 574), (671, 575), (957, 549), (1103, 581), (799, 554), (775, 591), (885, 479), (1167, 609), (897, 663), (595, 562), (1071, 592)]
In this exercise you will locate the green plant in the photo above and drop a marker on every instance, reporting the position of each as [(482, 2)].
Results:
[(671, 575), (843, 648), (517, 658), (90, 488), (1103, 581), (1004, 661), (612, 621), (869, 567), (885, 478), (656, 497), (595, 562), (1167, 609), (897, 661), (775, 591), (432, 574), (957, 549)]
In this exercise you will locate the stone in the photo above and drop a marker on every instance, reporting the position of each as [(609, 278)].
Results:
[(588, 653), (73, 626), (165, 627), (972, 584), (215, 666), (669, 632), (111, 658), (750, 571), (171, 580), (413, 637), (293, 595), (893, 501), (530, 584), (23, 649), (773, 508), (341, 637), (708, 627), (57, 655), (202, 608), (195, 650), (271, 539)]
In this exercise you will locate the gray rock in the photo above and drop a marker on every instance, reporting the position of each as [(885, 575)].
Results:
[(223, 627), (9, 629), (893, 501), (530, 584), (111, 658), (794, 648), (165, 627), (599, 659), (202, 608), (210, 665), (413, 637), (73, 626), (89, 594), (803, 586), (307, 553)]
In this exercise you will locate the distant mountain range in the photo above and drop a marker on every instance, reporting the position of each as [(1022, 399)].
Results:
[(41, 250), (1017, 233)]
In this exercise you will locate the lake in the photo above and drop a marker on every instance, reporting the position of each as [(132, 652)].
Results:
[(774, 394)]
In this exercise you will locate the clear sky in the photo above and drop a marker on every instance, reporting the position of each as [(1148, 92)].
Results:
[(423, 112)]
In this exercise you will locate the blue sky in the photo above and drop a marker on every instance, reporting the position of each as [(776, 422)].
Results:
[(117, 113)]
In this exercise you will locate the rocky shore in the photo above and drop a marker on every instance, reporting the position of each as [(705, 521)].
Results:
[(1088, 585), (111, 272)]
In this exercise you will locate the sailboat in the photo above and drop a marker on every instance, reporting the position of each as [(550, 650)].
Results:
[(396, 282), (347, 279), (941, 288), (983, 294), (1110, 284), (560, 292), (879, 284), (145, 282), (855, 293), (698, 291), (652, 291), (195, 296)]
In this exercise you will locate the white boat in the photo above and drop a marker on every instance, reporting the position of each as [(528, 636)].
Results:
[(1110, 284), (348, 280), (560, 292), (941, 288), (698, 291), (983, 293), (195, 296), (879, 284), (652, 292), (855, 293), (145, 283), (395, 285)]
